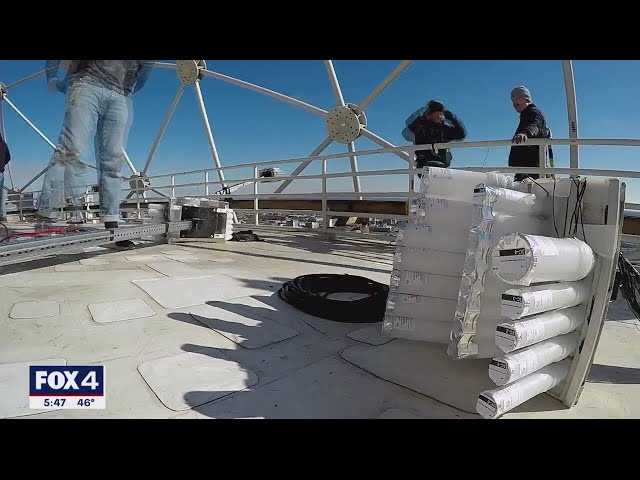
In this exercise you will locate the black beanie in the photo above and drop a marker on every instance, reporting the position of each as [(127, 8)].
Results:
[(435, 106)]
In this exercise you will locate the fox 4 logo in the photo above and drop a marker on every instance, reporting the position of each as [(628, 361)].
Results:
[(65, 380)]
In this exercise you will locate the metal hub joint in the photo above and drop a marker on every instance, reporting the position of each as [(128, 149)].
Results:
[(190, 71), (345, 123), (138, 183)]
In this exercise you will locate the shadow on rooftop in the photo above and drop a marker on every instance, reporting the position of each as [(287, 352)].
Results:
[(612, 374), (298, 260)]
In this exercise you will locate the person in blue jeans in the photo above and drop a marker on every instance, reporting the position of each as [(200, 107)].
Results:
[(5, 157), (98, 101)]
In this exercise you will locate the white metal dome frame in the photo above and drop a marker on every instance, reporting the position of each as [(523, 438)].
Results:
[(344, 123)]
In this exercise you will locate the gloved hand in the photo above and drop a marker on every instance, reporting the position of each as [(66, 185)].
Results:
[(448, 115), (519, 138), (52, 85)]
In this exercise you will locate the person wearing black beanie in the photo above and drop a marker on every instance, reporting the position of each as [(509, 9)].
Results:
[(433, 124)]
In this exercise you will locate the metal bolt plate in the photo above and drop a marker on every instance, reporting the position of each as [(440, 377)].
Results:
[(343, 124), (189, 70)]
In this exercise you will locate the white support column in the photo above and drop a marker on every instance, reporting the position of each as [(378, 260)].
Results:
[(333, 79), (207, 126), (265, 91), (327, 141), (42, 172), (385, 83), (354, 167), (325, 218), (365, 103), (170, 66), (572, 111), (40, 134), (335, 86), (163, 127), (384, 144), (26, 79), (542, 160), (256, 206), (28, 122), (129, 162)]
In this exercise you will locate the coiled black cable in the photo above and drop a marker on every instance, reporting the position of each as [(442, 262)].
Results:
[(309, 293)]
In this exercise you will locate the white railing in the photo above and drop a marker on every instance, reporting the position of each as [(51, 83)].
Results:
[(172, 180), (190, 73)]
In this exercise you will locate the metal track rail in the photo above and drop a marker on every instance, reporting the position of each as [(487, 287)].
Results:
[(26, 250)]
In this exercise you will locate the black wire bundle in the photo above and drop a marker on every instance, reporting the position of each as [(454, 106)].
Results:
[(309, 293), (630, 284), (576, 216)]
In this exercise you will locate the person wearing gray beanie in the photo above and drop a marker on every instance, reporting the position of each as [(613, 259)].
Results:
[(521, 92), (430, 125), (532, 125)]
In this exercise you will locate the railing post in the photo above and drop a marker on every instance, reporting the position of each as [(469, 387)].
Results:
[(411, 187), (138, 213), (572, 110), (325, 225), (21, 208), (542, 159), (255, 196), (87, 210)]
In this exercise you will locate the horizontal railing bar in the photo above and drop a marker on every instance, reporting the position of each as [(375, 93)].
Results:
[(382, 237), (329, 213), (413, 148), (318, 195)]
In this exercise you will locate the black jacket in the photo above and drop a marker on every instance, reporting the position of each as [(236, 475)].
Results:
[(5, 154), (533, 125), (427, 132)]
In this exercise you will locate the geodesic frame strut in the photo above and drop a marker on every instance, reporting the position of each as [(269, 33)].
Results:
[(352, 115)]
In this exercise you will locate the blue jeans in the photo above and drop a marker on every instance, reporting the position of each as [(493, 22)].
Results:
[(3, 197), (89, 109)]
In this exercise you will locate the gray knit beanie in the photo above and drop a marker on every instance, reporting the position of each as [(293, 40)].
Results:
[(521, 92)]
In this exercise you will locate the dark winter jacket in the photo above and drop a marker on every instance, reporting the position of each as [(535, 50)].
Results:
[(533, 125), (5, 154), (122, 76), (423, 131)]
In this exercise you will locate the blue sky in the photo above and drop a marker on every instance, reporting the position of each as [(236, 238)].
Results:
[(250, 127)]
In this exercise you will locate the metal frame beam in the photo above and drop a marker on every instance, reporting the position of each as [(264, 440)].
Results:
[(364, 104), (38, 248), (319, 149), (572, 111), (207, 126), (569, 87), (337, 91), (385, 83), (163, 127), (242, 84), (265, 91)]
